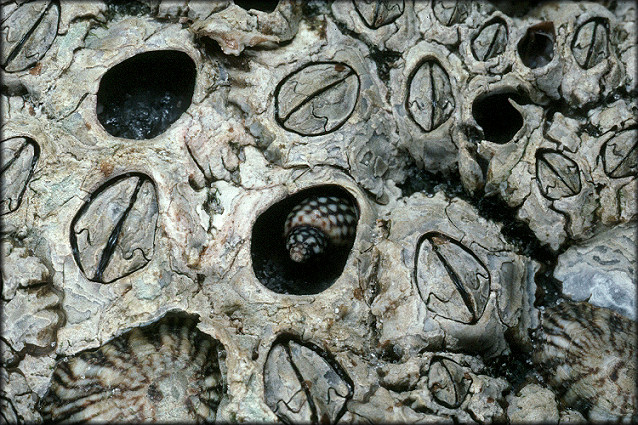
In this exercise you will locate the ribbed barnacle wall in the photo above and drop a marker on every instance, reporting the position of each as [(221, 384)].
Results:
[(318, 212)]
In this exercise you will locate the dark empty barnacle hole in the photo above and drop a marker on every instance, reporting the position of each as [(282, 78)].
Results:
[(263, 6), (142, 96), (536, 48), (272, 260), (497, 117), (127, 7)]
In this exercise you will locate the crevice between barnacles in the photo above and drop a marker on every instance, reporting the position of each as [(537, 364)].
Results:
[(369, 278), (515, 232), (368, 290)]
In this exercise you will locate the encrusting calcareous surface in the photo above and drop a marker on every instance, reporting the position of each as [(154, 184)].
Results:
[(361, 202)]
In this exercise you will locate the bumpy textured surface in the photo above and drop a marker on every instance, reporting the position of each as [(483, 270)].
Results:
[(602, 270), (471, 167)]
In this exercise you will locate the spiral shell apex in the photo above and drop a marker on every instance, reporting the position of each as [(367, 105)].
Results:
[(317, 223)]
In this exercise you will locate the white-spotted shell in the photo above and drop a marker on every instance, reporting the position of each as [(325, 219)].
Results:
[(318, 222)]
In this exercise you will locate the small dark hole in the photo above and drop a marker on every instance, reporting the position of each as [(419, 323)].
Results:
[(271, 261), (264, 6), (517, 8), (497, 117), (536, 48), (141, 97)]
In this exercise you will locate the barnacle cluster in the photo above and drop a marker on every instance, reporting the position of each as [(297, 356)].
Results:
[(318, 212)]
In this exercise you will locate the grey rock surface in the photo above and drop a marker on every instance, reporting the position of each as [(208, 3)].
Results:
[(602, 270)]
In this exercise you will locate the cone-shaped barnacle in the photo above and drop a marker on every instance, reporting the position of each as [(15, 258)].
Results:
[(317, 223)]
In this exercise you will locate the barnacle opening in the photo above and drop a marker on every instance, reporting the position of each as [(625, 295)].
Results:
[(267, 6), (536, 48), (516, 9), (271, 260), (497, 117), (142, 96)]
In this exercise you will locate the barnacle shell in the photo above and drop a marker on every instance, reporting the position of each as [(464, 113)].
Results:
[(122, 201), (549, 166), (463, 292), (589, 356), (235, 28)]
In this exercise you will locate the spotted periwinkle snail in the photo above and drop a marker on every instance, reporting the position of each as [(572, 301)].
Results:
[(317, 224)]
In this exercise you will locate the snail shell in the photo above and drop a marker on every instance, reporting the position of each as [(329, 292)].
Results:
[(317, 223), (588, 354)]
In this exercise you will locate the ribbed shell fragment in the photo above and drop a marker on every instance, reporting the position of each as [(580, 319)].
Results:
[(167, 371), (588, 354)]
